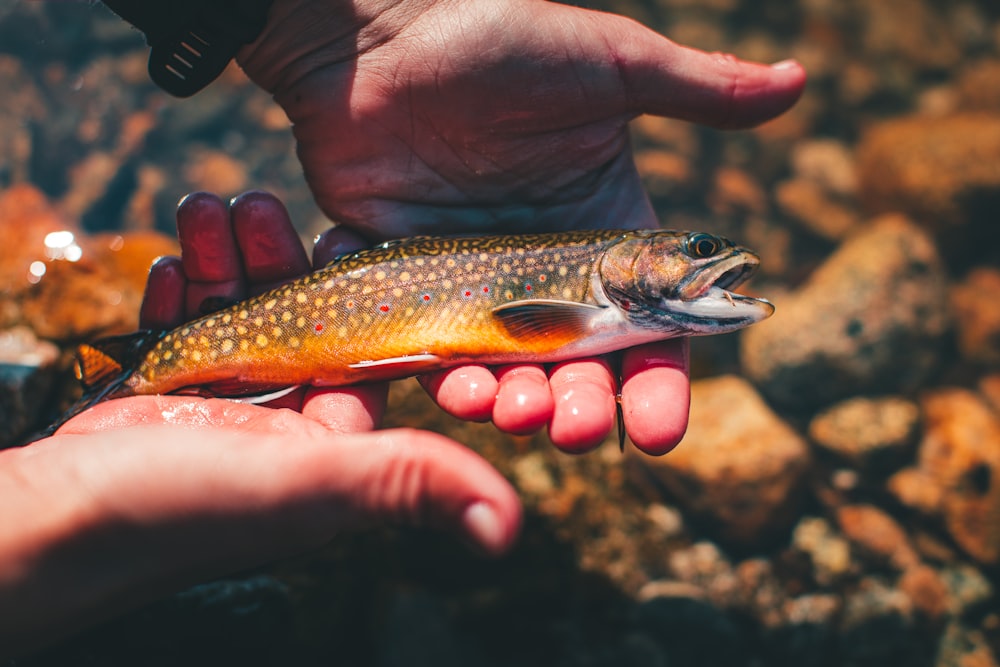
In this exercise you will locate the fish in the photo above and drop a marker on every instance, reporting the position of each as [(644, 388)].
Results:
[(415, 305)]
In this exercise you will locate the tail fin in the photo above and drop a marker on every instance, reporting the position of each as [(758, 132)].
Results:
[(102, 367)]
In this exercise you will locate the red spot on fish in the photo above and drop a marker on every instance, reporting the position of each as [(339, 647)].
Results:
[(527, 288), (541, 278), (350, 303), (426, 297), (486, 290), (384, 308), (319, 327), (626, 305), (468, 292)]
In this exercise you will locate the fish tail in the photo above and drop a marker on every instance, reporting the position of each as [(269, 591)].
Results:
[(103, 367)]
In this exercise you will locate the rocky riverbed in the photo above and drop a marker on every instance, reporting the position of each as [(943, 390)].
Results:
[(836, 500)]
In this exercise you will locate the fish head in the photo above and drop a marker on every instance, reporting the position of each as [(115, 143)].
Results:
[(680, 282)]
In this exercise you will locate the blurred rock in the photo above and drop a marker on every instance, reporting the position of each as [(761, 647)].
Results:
[(736, 193), (945, 172), (692, 632), (807, 636), (739, 465), (27, 370), (703, 566), (877, 627), (868, 321), (26, 220), (960, 454), (917, 489), (969, 591), (963, 647), (874, 435), (808, 204), (927, 590), (979, 85), (98, 293), (828, 552), (976, 305), (909, 32), (826, 163), (875, 535)]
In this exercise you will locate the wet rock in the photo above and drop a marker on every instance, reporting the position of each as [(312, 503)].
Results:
[(942, 171), (979, 85), (964, 647), (977, 317), (828, 552), (969, 591), (927, 590), (692, 632), (739, 466), (809, 205), (960, 454), (868, 321), (878, 627), (27, 371), (826, 163), (908, 31), (807, 635), (874, 435), (877, 536)]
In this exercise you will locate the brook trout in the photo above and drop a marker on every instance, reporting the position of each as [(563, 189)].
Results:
[(416, 305)]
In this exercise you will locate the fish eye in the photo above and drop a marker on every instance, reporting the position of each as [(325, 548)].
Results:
[(700, 245)]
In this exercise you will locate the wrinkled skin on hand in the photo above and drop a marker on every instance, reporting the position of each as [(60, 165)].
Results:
[(437, 116)]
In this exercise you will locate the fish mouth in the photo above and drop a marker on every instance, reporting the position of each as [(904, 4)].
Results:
[(725, 274), (706, 303)]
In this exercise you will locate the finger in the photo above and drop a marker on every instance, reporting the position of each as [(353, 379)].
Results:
[(208, 247), (350, 410), (523, 401), (163, 301), (656, 394), (270, 246), (716, 89), (584, 410), (334, 242), (465, 392)]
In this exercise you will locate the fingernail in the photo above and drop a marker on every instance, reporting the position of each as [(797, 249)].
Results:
[(484, 527), (790, 63)]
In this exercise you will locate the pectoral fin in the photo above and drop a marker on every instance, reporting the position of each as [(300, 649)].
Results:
[(546, 318)]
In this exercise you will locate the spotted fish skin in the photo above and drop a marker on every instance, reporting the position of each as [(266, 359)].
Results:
[(420, 304)]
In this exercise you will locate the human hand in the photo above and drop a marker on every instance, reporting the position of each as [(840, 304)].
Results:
[(140, 496), (431, 116)]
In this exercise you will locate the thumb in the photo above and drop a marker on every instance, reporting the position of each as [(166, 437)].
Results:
[(417, 478), (663, 78)]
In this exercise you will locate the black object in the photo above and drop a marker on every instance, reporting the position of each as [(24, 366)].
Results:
[(192, 41)]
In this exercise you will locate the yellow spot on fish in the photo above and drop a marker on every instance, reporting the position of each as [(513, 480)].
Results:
[(178, 344), (286, 316), (241, 330), (196, 355), (342, 332), (168, 355), (301, 322), (226, 346), (300, 297), (404, 276), (271, 303), (567, 293), (328, 284), (210, 323), (380, 275), (397, 292), (153, 359), (276, 332), (563, 270), (244, 344), (185, 331), (272, 318), (293, 342), (244, 314), (258, 321), (261, 340), (318, 303)]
